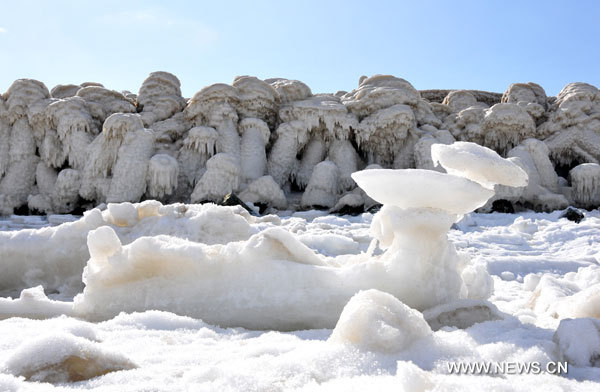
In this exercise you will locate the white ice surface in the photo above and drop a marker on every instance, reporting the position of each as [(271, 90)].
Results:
[(181, 353)]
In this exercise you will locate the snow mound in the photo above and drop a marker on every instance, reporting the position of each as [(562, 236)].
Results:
[(377, 321), (62, 357)]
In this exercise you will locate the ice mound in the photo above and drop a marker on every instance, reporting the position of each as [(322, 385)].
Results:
[(377, 321), (578, 341), (33, 303), (62, 357)]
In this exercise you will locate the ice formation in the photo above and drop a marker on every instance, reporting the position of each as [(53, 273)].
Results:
[(163, 171), (376, 321), (573, 347), (278, 127), (585, 180), (222, 176)]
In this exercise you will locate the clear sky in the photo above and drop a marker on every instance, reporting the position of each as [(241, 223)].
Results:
[(328, 45)]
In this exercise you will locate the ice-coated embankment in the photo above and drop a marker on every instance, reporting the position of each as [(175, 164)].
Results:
[(78, 146)]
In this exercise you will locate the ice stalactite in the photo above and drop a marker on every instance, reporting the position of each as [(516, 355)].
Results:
[(257, 99), (543, 191), (264, 190), (199, 145), (163, 171), (383, 134), (255, 136), (222, 176), (118, 163), (291, 137), (585, 181), (159, 97), (572, 131), (74, 128), (323, 188)]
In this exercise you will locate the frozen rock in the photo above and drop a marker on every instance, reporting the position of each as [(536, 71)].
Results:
[(64, 90), (461, 99), (102, 103), (461, 314), (291, 137), (578, 341), (572, 131), (33, 303), (257, 99), (159, 97), (290, 90), (377, 321)]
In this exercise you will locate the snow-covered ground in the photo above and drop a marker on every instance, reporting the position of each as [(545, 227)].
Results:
[(544, 269)]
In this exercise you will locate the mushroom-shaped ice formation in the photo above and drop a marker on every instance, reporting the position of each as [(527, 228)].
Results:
[(199, 145), (313, 153), (419, 208), (75, 130), (585, 181), (159, 97), (323, 187), (345, 157), (215, 106), (572, 131), (264, 190), (257, 99), (21, 94), (255, 136), (376, 321), (290, 90), (163, 171), (384, 134), (380, 92), (222, 177)]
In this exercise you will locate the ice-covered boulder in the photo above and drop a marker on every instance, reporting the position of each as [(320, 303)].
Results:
[(64, 358), (461, 314), (290, 90), (102, 103), (572, 131), (578, 341), (461, 99), (376, 321), (159, 97), (257, 99), (291, 137), (255, 136), (264, 190)]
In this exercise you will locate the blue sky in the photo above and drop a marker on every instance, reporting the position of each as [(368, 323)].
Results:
[(328, 45)]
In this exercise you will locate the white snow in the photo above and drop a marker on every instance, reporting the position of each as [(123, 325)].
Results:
[(175, 352)]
